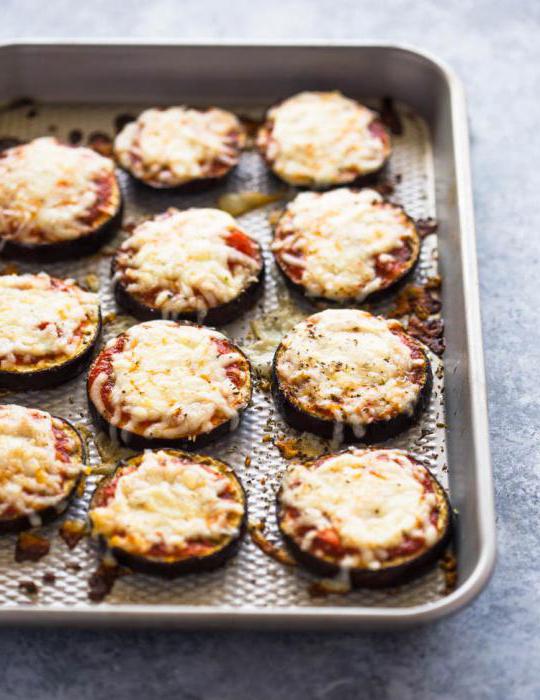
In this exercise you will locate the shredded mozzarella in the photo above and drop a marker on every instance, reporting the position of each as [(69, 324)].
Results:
[(322, 138), (349, 365), (185, 260), (168, 501), (32, 477), (175, 145), (337, 238), (48, 189), (267, 332), (171, 379), (41, 320), (373, 499)]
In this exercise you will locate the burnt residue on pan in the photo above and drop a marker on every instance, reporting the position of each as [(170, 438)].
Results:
[(100, 142), (31, 546), (122, 120), (19, 103), (49, 578), (390, 116), (29, 588), (426, 227), (418, 306), (72, 532), (102, 580), (75, 137), (430, 332)]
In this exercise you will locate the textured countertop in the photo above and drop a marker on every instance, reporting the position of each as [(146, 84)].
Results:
[(491, 649)]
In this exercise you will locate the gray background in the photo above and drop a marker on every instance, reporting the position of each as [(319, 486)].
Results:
[(492, 649)]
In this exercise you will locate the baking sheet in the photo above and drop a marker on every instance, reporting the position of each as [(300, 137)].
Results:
[(252, 579)]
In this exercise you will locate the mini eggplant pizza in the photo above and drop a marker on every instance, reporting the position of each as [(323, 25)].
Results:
[(164, 384), (321, 139), (41, 462), (378, 515), (48, 330), (56, 201), (169, 513), (195, 265), (347, 374), (344, 245), (170, 147)]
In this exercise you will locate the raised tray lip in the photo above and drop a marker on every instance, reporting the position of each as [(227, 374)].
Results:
[(315, 616)]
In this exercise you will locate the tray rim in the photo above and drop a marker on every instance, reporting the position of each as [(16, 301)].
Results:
[(331, 616)]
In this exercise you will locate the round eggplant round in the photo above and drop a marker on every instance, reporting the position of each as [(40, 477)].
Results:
[(157, 289), (325, 542), (323, 139), (183, 162), (157, 558), (168, 431), (17, 522), (351, 263), (39, 241), (349, 402), (48, 372)]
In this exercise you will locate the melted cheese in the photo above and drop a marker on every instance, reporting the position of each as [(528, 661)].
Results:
[(47, 189), (323, 138), (31, 475), (336, 239), (267, 331), (176, 145), (348, 364), (171, 377), (167, 501), (41, 321), (374, 499), (184, 258)]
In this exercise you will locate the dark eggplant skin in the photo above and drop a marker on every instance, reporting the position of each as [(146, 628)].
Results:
[(379, 295), (168, 569), (404, 571), (196, 186), (140, 442), (378, 431), (372, 180), (64, 250), (217, 316), (47, 515), (51, 376)]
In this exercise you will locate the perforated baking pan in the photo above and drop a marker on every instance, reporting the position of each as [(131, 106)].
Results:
[(84, 87)]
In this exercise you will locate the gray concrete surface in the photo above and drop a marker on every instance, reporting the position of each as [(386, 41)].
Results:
[(492, 649)]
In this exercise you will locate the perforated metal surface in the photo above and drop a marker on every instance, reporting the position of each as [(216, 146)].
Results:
[(252, 579)]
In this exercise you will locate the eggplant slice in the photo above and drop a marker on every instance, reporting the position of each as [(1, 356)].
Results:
[(165, 384), (194, 265), (377, 517), (57, 202), (49, 329), (348, 375), (152, 541), (345, 246), (178, 146), (323, 139), (46, 492)]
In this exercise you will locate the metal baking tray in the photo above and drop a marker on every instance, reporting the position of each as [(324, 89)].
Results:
[(85, 86)]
